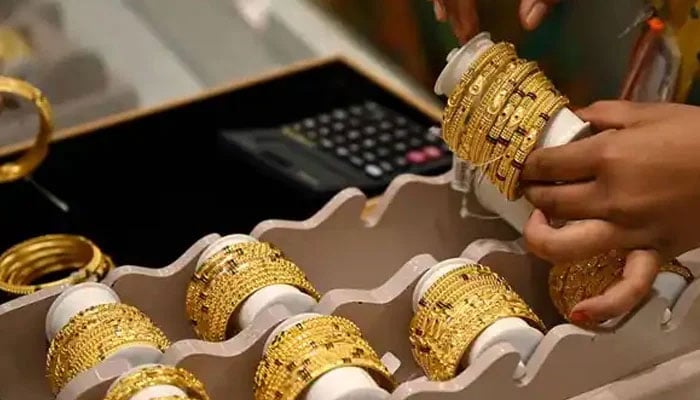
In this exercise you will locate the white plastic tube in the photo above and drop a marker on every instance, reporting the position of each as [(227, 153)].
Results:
[(563, 128), (346, 383), (514, 331), (289, 296)]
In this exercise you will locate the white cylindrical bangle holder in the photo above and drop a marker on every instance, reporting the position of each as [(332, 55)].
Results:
[(563, 128), (295, 300), (83, 296), (514, 331), (346, 383), (151, 392)]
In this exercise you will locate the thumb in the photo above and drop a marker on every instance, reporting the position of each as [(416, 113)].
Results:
[(532, 12)]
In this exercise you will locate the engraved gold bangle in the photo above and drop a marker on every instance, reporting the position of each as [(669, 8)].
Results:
[(127, 387), (26, 262), (29, 161), (454, 311), (571, 283), (95, 334), (309, 349)]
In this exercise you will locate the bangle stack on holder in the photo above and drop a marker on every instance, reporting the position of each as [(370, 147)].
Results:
[(25, 263), (157, 382), (461, 309), (236, 271)]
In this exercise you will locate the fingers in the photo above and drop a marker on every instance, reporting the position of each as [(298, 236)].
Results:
[(574, 241), (571, 162), (462, 15), (638, 277), (574, 201), (439, 9), (532, 12), (614, 114)]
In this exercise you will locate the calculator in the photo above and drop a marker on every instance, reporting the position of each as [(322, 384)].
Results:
[(363, 145)]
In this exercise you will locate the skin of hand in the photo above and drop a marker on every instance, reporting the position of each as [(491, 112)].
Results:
[(634, 186), (464, 17)]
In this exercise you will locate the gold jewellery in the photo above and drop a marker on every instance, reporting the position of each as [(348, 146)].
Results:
[(455, 310), (225, 280), (495, 115), (571, 283), (29, 161), (95, 334), (25, 263), (307, 350), (125, 388)]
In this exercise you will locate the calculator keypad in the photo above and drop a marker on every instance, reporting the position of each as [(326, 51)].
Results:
[(377, 141)]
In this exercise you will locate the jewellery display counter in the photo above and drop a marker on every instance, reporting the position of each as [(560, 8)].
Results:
[(378, 272)]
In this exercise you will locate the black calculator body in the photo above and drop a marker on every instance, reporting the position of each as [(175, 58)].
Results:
[(363, 145)]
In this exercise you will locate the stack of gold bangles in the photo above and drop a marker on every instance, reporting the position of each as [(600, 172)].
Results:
[(455, 310), (309, 349), (226, 279), (156, 375), (571, 283), (94, 335), (27, 163), (496, 113), (24, 264)]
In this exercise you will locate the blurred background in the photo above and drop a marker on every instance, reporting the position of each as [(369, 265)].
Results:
[(99, 57)]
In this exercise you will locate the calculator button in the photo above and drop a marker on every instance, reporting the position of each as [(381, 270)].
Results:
[(368, 143), (340, 139), (326, 143), (383, 152), (354, 134), (385, 125), (313, 135), (432, 152), (338, 127), (324, 118), (354, 122), (416, 157), (430, 137), (324, 131), (401, 121), (370, 105), (340, 114), (297, 126), (368, 156), (342, 152), (415, 142), (309, 123), (354, 147), (400, 162), (356, 110), (370, 130), (400, 133), (385, 138), (357, 161), (386, 166), (374, 171), (400, 147)]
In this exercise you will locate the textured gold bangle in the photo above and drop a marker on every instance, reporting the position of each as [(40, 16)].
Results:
[(29, 161), (127, 387), (26, 262), (454, 311), (571, 283), (485, 66), (94, 335), (309, 349), (494, 104)]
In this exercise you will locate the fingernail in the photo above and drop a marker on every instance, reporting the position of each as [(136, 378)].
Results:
[(579, 317), (536, 14), (439, 10)]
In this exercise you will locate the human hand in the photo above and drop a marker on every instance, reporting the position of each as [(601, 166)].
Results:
[(635, 186), (464, 17)]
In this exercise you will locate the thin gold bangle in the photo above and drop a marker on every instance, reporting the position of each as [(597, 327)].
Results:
[(128, 386), (29, 161)]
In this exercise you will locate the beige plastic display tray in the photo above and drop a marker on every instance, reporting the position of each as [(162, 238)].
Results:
[(367, 267)]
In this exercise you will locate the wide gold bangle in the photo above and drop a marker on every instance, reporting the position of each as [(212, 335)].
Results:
[(26, 262), (476, 80), (309, 349), (454, 311), (571, 283), (29, 161), (128, 386), (94, 335)]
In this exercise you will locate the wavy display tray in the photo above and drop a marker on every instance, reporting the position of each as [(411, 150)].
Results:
[(367, 269)]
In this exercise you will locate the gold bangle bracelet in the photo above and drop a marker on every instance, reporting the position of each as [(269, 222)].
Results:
[(571, 283), (29, 161), (32, 259), (128, 386)]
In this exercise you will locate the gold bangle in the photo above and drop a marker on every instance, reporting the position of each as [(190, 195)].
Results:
[(493, 105), (128, 386), (29, 161), (487, 65), (32, 259), (571, 283), (455, 310), (309, 349), (94, 335)]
